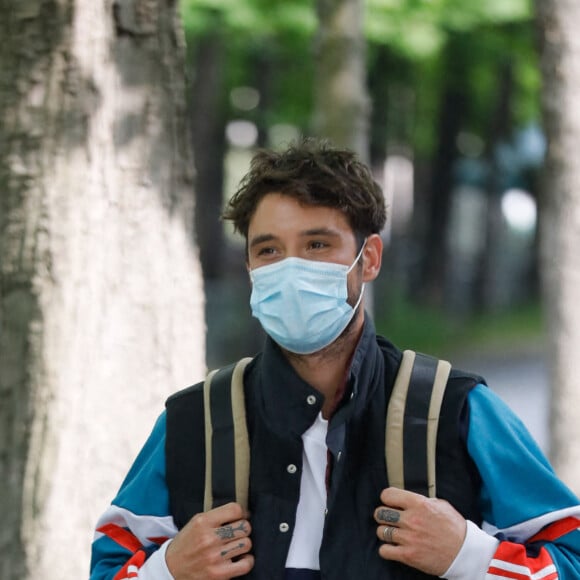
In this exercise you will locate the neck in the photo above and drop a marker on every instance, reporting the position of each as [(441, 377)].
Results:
[(326, 370)]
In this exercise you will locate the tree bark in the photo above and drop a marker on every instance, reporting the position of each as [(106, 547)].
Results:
[(452, 112), (209, 148), (560, 225), (101, 306), (341, 101), (486, 280)]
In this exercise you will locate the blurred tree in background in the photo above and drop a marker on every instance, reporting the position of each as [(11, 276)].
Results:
[(101, 300), (341, 104), (560, 225)]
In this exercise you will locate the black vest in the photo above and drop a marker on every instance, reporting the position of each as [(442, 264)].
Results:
[(278, 414)]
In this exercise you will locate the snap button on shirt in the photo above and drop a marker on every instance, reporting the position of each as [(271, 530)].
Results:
[(291, 468), (284, 527), (311, 400)]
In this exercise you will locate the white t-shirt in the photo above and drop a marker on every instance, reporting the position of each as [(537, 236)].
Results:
[(307, 536)]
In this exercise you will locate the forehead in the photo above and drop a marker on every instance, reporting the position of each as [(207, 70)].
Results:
[(278, 212)]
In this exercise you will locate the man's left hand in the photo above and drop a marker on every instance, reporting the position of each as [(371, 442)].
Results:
[(424, 533)]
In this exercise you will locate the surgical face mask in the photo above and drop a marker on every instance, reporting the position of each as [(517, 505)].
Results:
[(302, 304)]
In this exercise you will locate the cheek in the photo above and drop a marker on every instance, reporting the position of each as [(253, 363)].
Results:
[(354, 286)]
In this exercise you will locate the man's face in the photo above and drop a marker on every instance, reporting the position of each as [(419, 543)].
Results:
[(281, 228)]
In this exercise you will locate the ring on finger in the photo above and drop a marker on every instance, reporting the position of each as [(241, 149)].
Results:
[(388, 534)]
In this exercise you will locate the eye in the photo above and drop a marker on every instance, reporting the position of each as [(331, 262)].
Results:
[(267, 251), (317, 245)]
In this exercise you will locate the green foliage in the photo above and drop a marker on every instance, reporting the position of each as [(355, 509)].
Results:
[(483, 35), (275, 32), (462, 15), (415, 32), (418, 28), (250, 17), (436, 332), (409, 27)]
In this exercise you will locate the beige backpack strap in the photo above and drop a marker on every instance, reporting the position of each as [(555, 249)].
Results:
[(208, 496), (412, 422), (227, 447), (396, 421), (242, 440), (439, 386)]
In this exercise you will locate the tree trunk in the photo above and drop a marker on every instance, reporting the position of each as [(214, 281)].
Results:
[(209, 148), (487, 283), (560, 225), (452, 113), (380, 84), (101, 307), (341, 100), (265, 64)]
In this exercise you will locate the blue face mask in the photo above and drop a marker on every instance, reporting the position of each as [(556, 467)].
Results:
[(302, 304)]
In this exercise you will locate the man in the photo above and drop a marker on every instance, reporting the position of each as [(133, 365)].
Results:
[(316, 396)]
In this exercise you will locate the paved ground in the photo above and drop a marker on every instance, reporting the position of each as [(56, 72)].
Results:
[(521, 380)]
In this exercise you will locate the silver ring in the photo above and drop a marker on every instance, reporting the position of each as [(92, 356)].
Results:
[(388, 534)]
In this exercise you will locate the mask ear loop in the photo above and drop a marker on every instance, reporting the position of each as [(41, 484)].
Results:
[(362, 290), (358, 256)]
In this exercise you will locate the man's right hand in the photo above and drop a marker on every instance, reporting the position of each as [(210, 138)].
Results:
[(214, 545)]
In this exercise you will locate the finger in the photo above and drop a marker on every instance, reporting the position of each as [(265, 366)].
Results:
[(229, 512), (240, 567), (392, 552), (386, 515), (238, 529), (400, 498), (236, 548), (387, 534)]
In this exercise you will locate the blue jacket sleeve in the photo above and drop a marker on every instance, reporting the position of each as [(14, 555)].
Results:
[(524, 504), (138, 521)]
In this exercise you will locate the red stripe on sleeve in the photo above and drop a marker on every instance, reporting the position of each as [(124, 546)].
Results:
[(501, 573), (131, 568), (512, 561), (556, 530), (121, 536)]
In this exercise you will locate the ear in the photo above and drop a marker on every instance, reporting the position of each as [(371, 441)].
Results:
[(372, 257)]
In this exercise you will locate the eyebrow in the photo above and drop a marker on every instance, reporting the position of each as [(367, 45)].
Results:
[(260, 239)]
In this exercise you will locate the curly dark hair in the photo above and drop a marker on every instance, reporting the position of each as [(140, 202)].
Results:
[(314, 173)]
